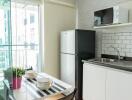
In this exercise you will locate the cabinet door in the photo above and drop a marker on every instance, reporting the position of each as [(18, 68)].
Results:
[(93, 82), (118, 85)]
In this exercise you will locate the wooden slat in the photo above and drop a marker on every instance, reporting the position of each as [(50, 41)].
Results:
[(54, 97)]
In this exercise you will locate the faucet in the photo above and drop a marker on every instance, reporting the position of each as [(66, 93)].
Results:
[(118, 52)]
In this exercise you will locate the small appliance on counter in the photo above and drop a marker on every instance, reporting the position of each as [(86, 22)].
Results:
[(76, 45)]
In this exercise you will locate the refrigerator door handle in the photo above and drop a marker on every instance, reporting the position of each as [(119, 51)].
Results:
[(67, 53)]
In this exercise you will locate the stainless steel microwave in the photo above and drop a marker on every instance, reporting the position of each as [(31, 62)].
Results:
[(113, 15)]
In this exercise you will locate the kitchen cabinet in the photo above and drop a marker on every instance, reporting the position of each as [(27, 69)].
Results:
[(103, 83), (118, 85), (93, 82)]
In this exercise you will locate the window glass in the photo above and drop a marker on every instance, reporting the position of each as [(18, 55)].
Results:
[(20, 47), (25, 36)]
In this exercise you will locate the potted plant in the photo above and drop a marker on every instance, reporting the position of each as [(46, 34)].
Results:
[(14, 75)]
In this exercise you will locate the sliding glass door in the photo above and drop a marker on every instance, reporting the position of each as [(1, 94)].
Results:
[(5, 35), (19, 39), (25, 35), (19, 35), (5, 48)]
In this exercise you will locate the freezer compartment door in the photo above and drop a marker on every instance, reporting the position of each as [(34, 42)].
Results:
[(68, 69), (68, 42)]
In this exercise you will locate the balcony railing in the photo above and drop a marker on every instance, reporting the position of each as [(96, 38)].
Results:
[(19, 56)]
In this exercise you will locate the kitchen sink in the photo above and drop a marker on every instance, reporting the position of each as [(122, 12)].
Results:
[(115, 62), (103, 60)]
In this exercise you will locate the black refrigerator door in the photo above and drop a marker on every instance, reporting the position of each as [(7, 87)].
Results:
[(84, 49), (78, 77), (85, 42)]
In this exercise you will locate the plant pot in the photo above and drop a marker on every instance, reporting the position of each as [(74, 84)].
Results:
[(16, 82)]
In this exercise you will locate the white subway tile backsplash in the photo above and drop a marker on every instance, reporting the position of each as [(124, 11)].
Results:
[(126, 41), (118, 41), (107, 45), (121, 40), (121, 45), (114, 37), (121, 37), (129, 46), (130, 50), (130, 42), (126, 50), (104, 41), (122, 53), (129, 54), (128, 37), (111, 41), (126, 33), (115, 45), (110, 49), (107, 37)]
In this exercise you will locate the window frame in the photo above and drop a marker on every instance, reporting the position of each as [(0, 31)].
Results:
[(41, 37)]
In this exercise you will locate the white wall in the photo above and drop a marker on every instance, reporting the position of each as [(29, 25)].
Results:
[(57, 18), (85, 19), (69, 1)]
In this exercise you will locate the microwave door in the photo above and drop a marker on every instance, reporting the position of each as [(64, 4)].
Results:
[(103, 17)]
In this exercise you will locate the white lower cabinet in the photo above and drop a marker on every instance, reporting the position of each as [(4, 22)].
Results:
[(101, 83), (118, 85), (93, 82)]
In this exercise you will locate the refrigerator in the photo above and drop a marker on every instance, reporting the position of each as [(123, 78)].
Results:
[(75, 46)]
